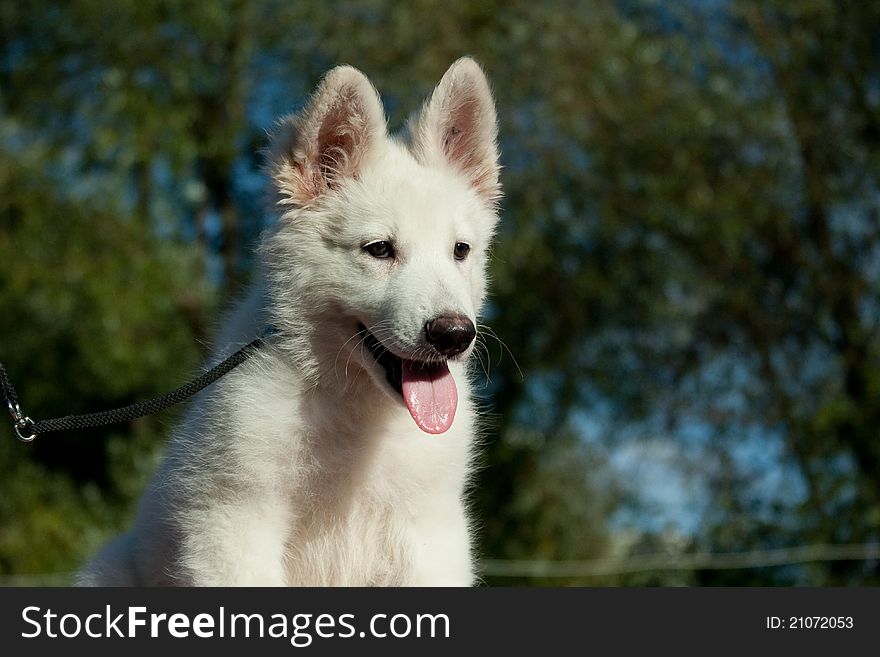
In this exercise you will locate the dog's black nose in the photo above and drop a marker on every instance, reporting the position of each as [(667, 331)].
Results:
[(450, 334)]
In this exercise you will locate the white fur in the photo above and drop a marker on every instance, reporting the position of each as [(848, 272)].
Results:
[(303, 466)]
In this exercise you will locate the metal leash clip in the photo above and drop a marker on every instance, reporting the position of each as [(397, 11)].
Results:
[(24, 426)]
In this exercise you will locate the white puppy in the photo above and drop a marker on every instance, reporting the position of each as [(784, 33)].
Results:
[(339, 453)]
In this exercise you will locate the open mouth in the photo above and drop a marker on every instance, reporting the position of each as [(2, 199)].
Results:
[(427, 388), (391, 363)]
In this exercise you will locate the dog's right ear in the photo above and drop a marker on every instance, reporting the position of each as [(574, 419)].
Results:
[(458, 127), (329, 140)]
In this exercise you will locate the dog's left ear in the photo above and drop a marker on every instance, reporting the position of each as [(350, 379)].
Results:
[(458, 127), (313, 152)]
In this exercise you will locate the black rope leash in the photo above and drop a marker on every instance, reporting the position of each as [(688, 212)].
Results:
[(27, 429)]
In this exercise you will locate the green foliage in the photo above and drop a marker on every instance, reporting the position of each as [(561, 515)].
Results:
[(92, 317)]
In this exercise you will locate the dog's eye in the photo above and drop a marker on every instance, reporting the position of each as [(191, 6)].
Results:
[(380, 249), (461, 250)]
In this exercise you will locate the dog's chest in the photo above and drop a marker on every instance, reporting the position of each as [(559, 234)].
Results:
[(362, 517), (368, 545)]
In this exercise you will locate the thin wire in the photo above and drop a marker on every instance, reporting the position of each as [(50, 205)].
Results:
[(612, 566), (692, 561)]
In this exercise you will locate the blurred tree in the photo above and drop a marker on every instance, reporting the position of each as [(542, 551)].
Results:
[(704, 225), (91, 318), (142, 89)]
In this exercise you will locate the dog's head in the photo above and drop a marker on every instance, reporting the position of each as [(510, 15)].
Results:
[(378, 261)]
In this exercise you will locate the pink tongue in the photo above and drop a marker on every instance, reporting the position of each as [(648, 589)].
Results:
[(430, 395)]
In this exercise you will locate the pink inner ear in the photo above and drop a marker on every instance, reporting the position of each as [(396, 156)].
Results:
[(340, 138), (336, 157), (458, 138), (449, 143), (329, 140), (465, 146)]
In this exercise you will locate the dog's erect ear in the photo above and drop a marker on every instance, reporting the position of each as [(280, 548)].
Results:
[(457, 127), (329, 140)]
